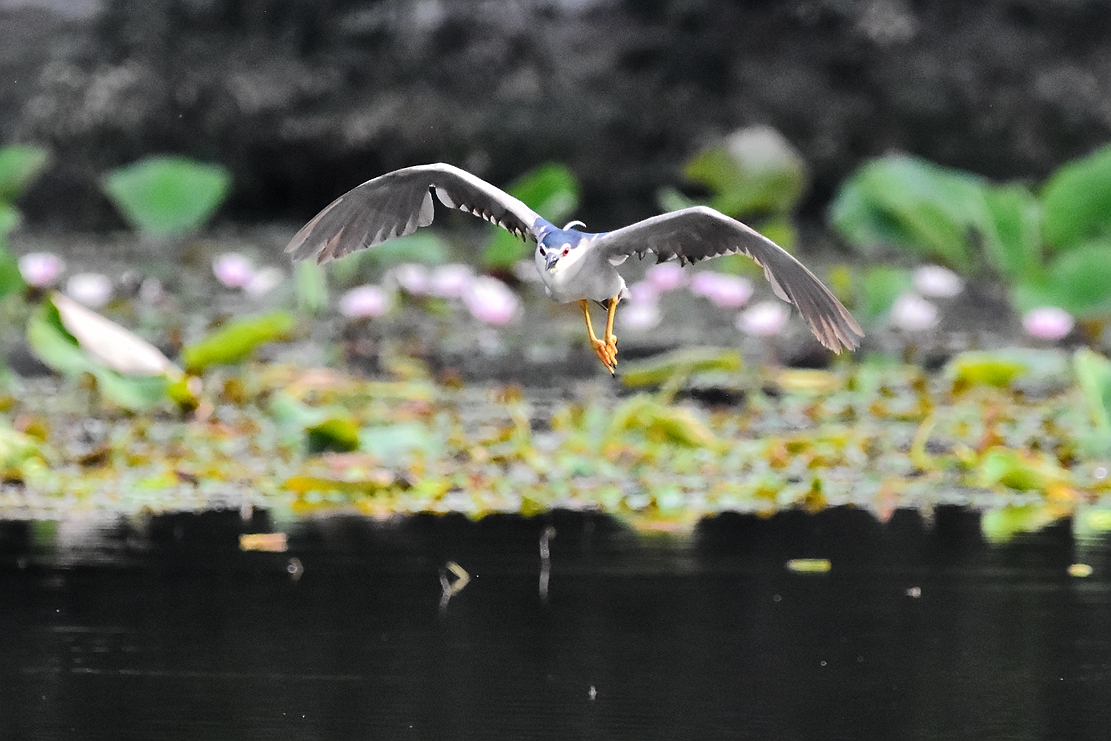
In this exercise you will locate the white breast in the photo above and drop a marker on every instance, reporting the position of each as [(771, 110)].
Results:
[(589, 277)]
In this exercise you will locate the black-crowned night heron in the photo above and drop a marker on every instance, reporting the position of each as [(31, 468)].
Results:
[(574, 265)]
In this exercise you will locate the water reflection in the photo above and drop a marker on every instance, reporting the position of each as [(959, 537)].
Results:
[(166, 629)]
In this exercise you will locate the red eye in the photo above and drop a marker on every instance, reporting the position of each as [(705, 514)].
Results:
[(565, 251)]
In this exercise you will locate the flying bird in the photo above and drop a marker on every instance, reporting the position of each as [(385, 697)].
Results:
[(574, 265)]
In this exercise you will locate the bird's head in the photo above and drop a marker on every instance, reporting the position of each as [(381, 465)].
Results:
[(559, 249)]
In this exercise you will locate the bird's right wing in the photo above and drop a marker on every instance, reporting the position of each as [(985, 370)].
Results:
[(697, 233), (398, 203)]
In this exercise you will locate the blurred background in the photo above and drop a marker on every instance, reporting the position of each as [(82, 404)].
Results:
[(241, 498), (303, 99)]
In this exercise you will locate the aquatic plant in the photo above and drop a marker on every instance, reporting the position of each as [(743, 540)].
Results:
[(1053, 248), (165, 197), (20, 166), (74, 340)]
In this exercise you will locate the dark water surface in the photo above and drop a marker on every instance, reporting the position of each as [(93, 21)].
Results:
[(920, 630)]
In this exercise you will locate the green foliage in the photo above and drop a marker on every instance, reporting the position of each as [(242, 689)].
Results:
[(20, 165), (552, 191), (237, 340), (401, 441), (11, 281), (1077, 201), (754, 171), (15, 449), (1016, 215), (336, 434), (969, 223), (1091, 522), (1001, 368), (983, 368), (60, 350), (914, 204), (879, 288), (1018, 470), (662, 369), (1001, 524), (1093, 375), (164, 197), (662, 423), (1076, 280), (9, 218), (312, 287)]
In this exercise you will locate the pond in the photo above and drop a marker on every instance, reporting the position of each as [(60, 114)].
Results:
[(824, 626)]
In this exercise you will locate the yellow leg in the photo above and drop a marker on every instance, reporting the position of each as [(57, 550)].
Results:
[(610, 338), (601, 347)]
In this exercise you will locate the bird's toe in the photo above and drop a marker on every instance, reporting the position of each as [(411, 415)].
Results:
[(604, 353)]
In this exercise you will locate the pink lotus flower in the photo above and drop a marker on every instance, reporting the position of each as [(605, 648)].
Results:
[(912, 313), (264, 281), (640, 316), (491, 301), (91, 289), (41, 269), (727, 291), (934, 281), (643, 292), (412, 278), (364, 302), (450, 281), (765, 319), (233, 269), (666, 276), (1048, 323)]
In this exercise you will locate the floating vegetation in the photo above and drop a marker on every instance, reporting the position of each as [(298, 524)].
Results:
[(879, 436)]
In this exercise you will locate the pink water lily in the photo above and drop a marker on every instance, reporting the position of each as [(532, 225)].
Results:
[(726, 291), (1048, 323), (41, 269), (233, 269), (640, 316), (364, 302), (491, 301), (412, 278), (765, 319), (91, 289), (450, 281), (912, 313), (643, 292), (264, 281), (934, 281), (666, 276)]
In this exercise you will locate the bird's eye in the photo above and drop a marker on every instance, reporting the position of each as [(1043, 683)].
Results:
[(565, 251), (542, 251)]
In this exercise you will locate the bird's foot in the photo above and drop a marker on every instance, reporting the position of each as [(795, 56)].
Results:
[(607, 353)]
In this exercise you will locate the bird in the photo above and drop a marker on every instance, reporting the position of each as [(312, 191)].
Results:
[(574, 265)]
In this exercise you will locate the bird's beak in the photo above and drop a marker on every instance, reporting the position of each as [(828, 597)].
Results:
[(551, 259)]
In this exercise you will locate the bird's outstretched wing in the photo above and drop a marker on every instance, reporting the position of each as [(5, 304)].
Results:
[(696, 233), (397, 203)]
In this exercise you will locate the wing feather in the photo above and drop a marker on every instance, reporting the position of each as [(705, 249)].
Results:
[(698, 233), (400, 202)]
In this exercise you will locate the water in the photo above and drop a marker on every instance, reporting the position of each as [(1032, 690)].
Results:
[(166, 630)]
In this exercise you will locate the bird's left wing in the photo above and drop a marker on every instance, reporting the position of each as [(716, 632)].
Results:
[(697, 233), (399, 202)]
